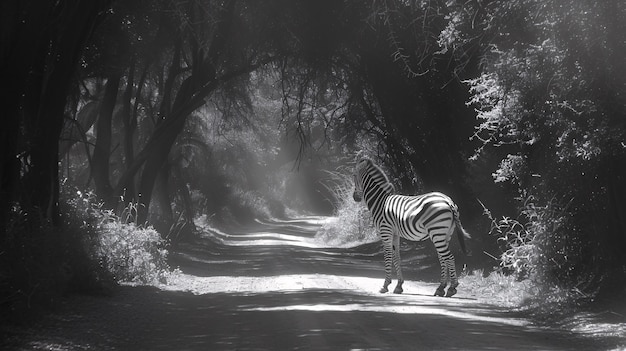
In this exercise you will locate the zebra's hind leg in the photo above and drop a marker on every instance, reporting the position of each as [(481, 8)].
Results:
[(398, 289), (454, 282), (385, 285), (451, 290), (441, 290)]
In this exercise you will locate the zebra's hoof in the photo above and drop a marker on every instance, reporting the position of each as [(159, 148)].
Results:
[(398, 290), (440, 292), (383, 290), (451, 292)]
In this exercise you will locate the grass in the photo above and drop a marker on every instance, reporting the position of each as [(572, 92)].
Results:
[(552, 306), (496, 288)]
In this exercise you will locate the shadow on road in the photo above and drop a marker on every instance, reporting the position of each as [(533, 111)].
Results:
[(144, 318), (275, 303)]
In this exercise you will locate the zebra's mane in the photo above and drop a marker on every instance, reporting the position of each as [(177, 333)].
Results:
[(376, 168)]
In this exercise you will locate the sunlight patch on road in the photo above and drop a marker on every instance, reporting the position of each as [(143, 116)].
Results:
[(363, 291), (259, 239), (277, 233), (259, 285), (310, 220), (289, 282), (386, 308), (262, 238)]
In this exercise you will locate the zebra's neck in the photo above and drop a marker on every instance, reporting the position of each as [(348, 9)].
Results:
[(375, 195)]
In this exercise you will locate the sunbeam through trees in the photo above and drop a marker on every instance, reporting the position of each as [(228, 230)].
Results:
[(130, 127)]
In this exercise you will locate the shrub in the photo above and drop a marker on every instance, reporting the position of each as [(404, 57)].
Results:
[(517, 240), (352, 223), (541, 250), (132, 253), (551, 97), (129, 252)]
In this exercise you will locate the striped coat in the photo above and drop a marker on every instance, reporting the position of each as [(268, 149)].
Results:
[(431, 216)]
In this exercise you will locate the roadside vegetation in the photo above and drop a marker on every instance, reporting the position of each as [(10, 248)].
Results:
[(92, 252), (515, 276), (351, 224), (165, 111)]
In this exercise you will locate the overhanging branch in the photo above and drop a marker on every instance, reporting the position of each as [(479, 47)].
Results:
[(179, 116)]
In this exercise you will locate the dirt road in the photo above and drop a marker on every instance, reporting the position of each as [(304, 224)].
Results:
[(276, 288)]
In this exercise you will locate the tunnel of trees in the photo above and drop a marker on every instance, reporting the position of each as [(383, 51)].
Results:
[(206, 107)]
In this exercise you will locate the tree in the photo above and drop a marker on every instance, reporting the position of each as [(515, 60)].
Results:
[(379, 63), (384, 62), (552, 94), (41, 49), (204, 45)]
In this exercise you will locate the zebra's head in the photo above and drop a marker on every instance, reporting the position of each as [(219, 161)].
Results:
[(357, 195), (368, 172)]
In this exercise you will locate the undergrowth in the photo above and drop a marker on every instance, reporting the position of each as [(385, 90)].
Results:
[(496, 287), (523, 279), (352, 224), (91, 251), (131, 253)]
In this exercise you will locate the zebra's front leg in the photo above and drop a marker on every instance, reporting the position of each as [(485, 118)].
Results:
[(398, 264), (388, 253), (384, 289)]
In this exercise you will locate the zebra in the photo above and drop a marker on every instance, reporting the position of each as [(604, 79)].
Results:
[(416, 218)]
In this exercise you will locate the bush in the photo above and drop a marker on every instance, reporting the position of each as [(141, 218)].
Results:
[(128, 252), (542, 253), (352, 224), (131, 253), (552, 98), (518, 240)]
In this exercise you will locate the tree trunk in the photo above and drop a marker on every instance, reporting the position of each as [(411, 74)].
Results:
[(157, 149), (102, 150), (162, 200), (154, 163), (127, 118), (40, 59)]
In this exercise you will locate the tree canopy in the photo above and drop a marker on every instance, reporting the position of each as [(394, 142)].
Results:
[(206, 107)]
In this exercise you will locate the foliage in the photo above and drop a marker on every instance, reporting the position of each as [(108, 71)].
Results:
[(128, 252), (524, 241), (550, 95), (517, 246), (92, 251), (538, 86), (546, 304), (132, 254), (40, 263), (230, 144), (352, 222)]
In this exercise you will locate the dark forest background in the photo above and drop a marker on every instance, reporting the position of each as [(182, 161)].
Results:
[(164, 111)]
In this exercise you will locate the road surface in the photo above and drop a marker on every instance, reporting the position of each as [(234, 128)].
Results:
[(277, 288)]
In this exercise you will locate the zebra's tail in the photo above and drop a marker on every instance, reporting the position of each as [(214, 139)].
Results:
[(461, 233)]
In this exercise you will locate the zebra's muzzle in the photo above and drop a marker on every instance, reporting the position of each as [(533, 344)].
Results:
[(357, 196)]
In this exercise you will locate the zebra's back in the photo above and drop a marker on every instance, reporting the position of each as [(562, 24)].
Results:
[(414, 216)]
